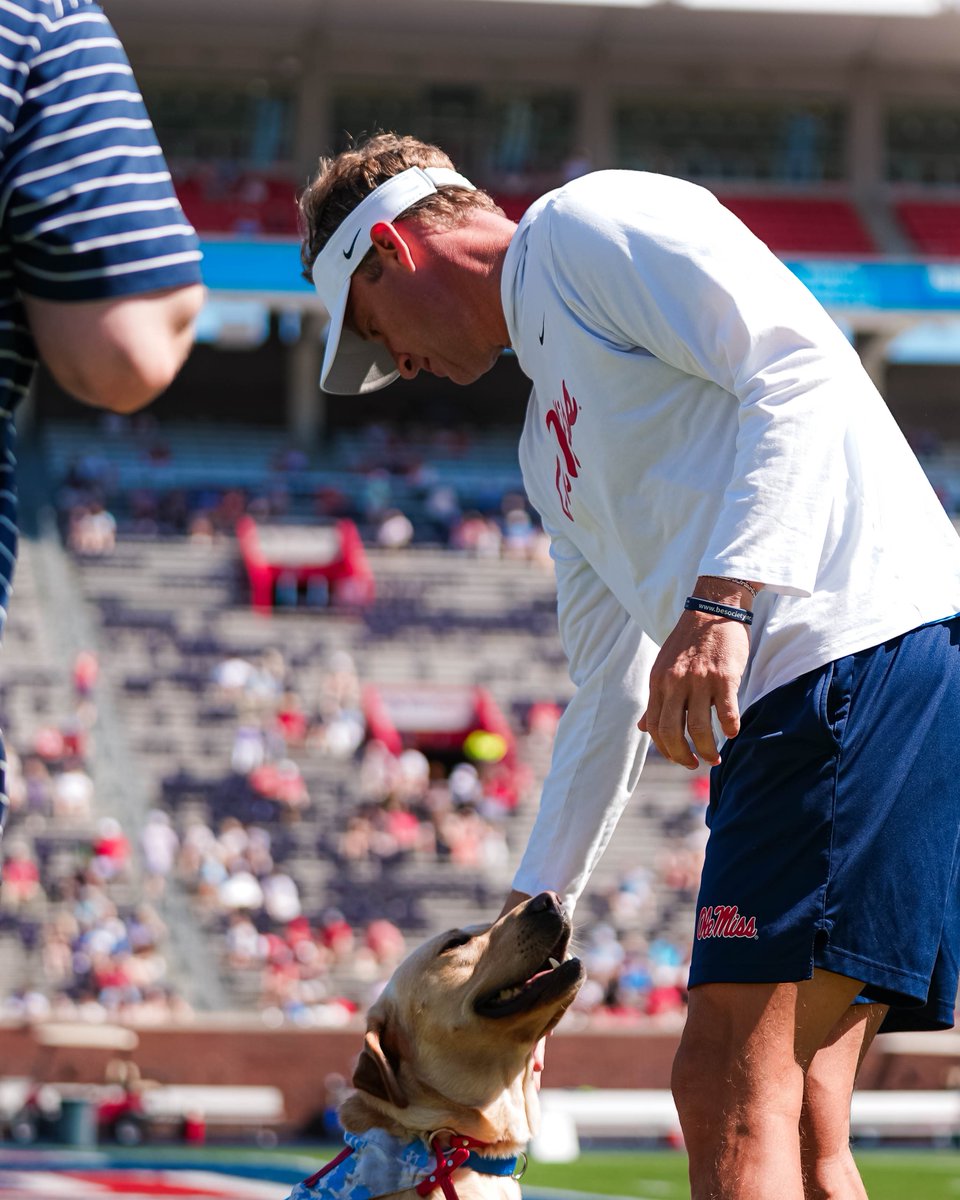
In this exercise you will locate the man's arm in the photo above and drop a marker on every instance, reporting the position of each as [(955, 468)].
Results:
[(117, 354), (598, 751)]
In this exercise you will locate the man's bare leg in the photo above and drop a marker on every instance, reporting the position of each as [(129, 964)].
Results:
[(829, 1170), (738, 1081)]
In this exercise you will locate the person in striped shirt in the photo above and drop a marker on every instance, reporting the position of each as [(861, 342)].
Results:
[(99, 268)]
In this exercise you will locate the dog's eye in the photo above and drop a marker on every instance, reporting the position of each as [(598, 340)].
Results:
[(460, 939)]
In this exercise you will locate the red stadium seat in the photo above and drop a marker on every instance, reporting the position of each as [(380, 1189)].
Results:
[(805, 224), (515, 204), (250, 204), (933, 225)]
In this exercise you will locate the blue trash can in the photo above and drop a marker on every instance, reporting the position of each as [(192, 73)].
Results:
[(78, 1122)]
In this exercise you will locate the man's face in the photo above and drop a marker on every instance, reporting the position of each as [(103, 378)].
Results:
[(420, 309)]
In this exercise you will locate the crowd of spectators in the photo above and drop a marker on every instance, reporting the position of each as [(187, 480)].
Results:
[(93, 943), (634, 972), (86, 904), (312, 963), (396, 486), (393, 486)]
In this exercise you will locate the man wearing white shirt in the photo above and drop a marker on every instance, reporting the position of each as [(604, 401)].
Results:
[(741, 536)]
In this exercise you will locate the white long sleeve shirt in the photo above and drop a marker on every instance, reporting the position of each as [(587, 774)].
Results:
[(695, 412)]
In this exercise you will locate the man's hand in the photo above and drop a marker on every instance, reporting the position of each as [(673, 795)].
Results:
[(512, 901), (698, 668)]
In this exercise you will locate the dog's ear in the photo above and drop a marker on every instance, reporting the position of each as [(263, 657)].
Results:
[(376, 1070)]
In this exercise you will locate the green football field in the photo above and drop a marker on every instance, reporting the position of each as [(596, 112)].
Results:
[(888, 1175)]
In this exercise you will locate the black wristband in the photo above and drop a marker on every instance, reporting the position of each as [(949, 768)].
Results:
[(714, 609)]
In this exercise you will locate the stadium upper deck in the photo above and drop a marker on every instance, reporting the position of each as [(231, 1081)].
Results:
[(518, 88), (839, 109)]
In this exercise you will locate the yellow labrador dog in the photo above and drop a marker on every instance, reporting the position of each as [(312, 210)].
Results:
[(445, 1094)]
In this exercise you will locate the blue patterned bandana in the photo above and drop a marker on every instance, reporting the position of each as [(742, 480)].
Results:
[(381, 1164)]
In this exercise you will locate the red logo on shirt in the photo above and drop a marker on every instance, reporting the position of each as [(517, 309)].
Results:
[(561, 419), (724, 921)]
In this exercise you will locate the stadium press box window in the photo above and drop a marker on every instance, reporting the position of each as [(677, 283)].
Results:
[(718, 138), (516, 134), (249, 123), (922, 143)]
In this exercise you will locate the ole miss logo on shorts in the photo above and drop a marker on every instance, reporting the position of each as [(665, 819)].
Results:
[(724, 921)]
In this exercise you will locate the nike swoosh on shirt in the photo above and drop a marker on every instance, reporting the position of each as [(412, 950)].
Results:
[(348, 254), (542, 328)]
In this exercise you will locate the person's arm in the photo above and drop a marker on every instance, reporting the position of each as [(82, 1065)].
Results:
[(598, 752), (116, 354), (106, 265)]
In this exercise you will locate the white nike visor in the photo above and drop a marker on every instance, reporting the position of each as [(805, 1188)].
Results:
[(352, 365)]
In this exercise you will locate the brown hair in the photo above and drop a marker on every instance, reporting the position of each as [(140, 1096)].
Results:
[(342, 182)]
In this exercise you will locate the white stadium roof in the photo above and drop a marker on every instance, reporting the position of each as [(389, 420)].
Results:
[(918, 32)]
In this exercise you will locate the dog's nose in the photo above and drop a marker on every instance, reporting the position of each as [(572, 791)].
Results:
[(544, 901)]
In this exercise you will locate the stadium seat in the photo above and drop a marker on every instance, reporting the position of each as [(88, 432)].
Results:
[(805, 224), (250, 204), (933, 225)]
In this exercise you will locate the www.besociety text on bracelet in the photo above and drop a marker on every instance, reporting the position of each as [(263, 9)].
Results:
[(714, 609)]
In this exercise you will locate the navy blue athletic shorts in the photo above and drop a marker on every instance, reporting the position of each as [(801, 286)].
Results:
[(834, 823)]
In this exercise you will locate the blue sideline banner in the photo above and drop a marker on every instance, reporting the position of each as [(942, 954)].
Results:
[(912, 287), (269, 268)]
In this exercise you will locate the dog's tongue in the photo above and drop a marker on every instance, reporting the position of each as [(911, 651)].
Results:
[(551, 966)]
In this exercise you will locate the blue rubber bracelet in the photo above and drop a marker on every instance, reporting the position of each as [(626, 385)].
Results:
[(714, 609)]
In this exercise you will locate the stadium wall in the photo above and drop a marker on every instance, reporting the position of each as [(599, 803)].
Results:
[(299, 1061)]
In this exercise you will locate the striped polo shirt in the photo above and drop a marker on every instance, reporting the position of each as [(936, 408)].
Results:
[(87, 207)]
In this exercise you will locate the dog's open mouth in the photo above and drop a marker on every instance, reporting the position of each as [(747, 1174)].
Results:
[(551, 980)]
